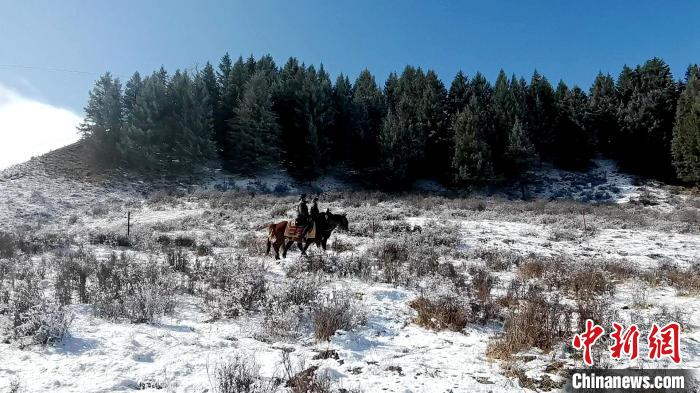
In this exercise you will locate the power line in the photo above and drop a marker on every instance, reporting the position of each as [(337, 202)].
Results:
[(52, 69)]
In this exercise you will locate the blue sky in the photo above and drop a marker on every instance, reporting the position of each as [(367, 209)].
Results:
[(562, 39)]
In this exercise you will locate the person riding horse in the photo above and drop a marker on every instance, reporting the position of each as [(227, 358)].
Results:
[(302, 210)]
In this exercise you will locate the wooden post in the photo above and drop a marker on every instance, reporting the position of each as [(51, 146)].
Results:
[(128, 224)]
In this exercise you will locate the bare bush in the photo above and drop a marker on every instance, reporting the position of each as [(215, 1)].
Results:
[(31, 318), (110, 239), (402, 261), (178, 259), (355, 265), (301, 379), (184, 241), (441, 312), (99, 210), (339, 245), (482, 284), (137, 291), (498, 259), (73, 268), (535, 322), (582, 281), (686, 281), (8, 245), (240, 375), (338, 312), (251, 243), (231, 286)]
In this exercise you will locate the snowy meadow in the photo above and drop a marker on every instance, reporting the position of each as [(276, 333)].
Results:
[(426, 292)]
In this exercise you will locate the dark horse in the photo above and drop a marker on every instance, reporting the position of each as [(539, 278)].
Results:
[(325, 224)]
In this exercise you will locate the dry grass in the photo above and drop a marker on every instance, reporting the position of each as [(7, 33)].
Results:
[(535, 322), (338, 313), (441, 313)]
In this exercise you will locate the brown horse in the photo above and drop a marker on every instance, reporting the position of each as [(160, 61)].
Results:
[(325, 224)]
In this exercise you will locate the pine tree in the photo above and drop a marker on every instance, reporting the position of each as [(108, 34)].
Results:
[(289, 106), (519, 95), (686, 131), (472, 158), (192, 121), (404, 135), (541, 115), (458, 96), (254, 131), (520, 155), (646, 119), (368, 101), (481, 103), (321, 115), (103, 119), (131, 92), (208, 78), (148, 123), (344, 112), (438, 135), (602, 112), (570, 137), (504, 117)]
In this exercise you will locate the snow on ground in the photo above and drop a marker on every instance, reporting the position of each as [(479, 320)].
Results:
[(388, 352)]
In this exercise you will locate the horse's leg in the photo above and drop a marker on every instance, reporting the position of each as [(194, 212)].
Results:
[(299, 246), (308, 242), (286, 248), (269, 243), (276, 245), (324, 243)]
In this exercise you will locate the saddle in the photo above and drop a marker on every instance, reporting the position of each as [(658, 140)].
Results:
[(294, 231)]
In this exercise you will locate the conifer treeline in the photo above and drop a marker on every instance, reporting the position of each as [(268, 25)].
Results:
[(253, 115)]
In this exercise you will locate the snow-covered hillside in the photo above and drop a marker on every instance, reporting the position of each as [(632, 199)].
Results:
[(479, 254)]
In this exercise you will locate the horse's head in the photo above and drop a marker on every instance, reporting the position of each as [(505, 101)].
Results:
[(343, 222), (339, 220)]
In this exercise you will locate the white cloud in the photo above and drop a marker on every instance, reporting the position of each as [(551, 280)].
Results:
[(29, 128)]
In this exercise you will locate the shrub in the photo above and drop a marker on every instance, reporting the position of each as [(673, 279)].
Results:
[(33, 319), (288, 307), (232, 286), (685, 281), (304, 380), (240, 375), (73, 268), (203, 250), (252, 244), (184, 241), (339, 312), (355, 265), (535, 322), (99, 210), (7, 245), (137, 291), (401, 263), (498, 259), (73, 219), (482, 284), (110, 239), (178, 259), (532, 268), (339, 245), (443, 312)]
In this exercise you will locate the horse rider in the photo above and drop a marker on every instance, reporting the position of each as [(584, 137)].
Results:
[(314, 209), (313, 217), (302, 211)]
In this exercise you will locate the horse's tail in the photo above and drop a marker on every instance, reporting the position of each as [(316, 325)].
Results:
[(270, 236)]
